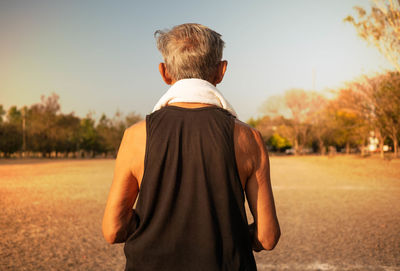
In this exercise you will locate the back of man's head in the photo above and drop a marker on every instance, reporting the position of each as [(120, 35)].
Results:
[(190, 51)]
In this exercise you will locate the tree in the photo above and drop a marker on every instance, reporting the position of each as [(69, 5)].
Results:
[(265, 125), (318, 120), (253, 122), (381, 96), (43, 128), (387, 95), (119, 124), (295, 103), (89, 137), (2, 112), (299, 104), (273, 130), (132, 118), (67, 137), (11, 132), (10, 138), (111, 131), (381, 27), (105, 130), (14, 116), (285, 129), (41, 125), (349, 120), (278, 142)]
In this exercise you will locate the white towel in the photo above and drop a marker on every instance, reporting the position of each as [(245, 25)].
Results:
[(194, 90)]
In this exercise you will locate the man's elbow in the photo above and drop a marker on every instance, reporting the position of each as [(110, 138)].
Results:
[(269, 242), (109, 236), (112, 236)]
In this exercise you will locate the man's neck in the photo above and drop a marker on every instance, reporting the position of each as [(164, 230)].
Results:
[(190, 105)]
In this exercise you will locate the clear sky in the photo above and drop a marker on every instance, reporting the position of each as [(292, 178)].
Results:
[(100, 56)]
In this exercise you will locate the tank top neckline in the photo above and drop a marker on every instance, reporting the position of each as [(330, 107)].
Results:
[(174, 107)]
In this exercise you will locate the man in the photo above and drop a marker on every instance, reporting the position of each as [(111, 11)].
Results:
[(192, 161)]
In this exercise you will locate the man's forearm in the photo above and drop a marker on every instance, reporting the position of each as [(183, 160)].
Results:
[(256, 245), (127, 227), (117, 229)]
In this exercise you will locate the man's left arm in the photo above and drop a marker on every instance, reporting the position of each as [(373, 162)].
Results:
[(122, 195)]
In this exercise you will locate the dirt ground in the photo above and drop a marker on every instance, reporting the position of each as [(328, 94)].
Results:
[(340, 213)]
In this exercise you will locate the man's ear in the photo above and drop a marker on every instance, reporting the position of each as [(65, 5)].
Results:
[(164, 74), (221, 69)]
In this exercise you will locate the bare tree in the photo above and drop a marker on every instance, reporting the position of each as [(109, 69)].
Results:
[(318, 118), (299, 103), (381, 94), (294, 104), (381, 27)]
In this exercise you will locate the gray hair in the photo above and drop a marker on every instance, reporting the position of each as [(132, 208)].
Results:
[(190, 51)]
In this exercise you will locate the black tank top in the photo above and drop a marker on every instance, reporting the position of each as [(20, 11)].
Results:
[(190, 212)]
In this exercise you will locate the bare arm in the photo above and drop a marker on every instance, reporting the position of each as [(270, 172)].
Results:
[(122, 195), (261, 199), (254, 168)]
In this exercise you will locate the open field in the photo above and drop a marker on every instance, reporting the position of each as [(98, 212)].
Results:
[(340, 213)]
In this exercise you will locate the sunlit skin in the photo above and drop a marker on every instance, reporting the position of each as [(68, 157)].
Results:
[(253, 168)]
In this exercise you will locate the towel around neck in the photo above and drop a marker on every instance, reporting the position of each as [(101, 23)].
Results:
[(194, 90)]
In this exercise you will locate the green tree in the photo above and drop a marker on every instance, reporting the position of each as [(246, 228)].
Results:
[(275, 132), (118, 124), (14, 116), (348, 119), (89, 137), (2, 113), (10, 138), (278, 143), (105, 130), (253, 122), (132, 118), (41, 125), (11, 132), (67, 137)]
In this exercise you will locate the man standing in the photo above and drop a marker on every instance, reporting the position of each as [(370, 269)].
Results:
[(190, 163)]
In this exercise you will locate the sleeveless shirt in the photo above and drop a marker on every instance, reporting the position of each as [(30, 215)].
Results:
[(190, 211)]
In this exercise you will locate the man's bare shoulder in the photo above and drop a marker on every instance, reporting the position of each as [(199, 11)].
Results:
[(135, 133), (249, 147), (133, 148), (134, 139), (247, 136), (138, 127)]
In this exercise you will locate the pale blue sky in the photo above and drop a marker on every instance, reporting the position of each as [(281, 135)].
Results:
[(101, 56)]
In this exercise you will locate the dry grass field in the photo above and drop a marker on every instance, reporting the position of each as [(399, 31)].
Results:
[(340, 213)]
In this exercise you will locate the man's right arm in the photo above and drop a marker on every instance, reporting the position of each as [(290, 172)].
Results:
[(253, 164)]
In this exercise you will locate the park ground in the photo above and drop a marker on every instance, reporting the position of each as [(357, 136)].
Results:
[(336, 213)]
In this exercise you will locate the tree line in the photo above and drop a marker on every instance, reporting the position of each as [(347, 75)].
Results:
[(366, 110), (364, 113), (42, 130), (303, 121)]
